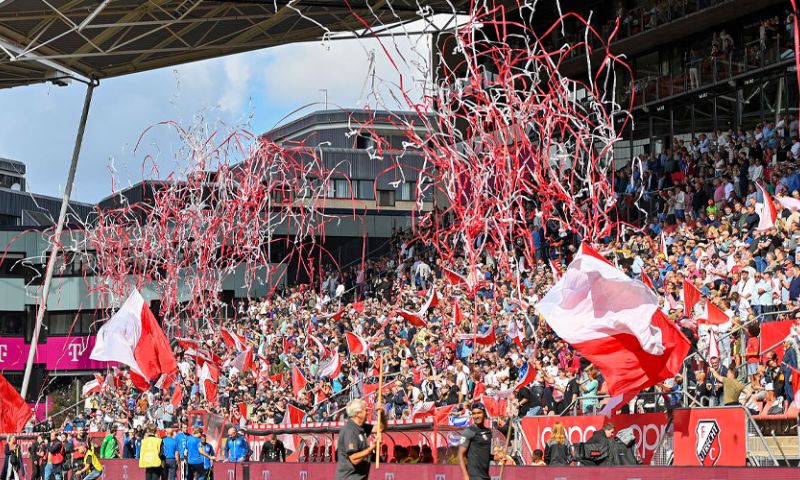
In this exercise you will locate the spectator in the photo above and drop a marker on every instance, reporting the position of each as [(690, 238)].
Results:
[(558, 451), (13, 465)]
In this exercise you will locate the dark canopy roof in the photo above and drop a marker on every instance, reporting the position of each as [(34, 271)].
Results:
[(44, 39)]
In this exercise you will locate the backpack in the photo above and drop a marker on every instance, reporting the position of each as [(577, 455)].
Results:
[(591, 452)]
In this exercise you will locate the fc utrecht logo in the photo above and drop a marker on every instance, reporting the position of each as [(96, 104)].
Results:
[(708, 447)]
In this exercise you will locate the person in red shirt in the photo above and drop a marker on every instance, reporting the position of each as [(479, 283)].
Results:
[(752, 355)]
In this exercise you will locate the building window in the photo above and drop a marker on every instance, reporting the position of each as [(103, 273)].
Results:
[(364, 189), (11, 265), (364, 141), (72, 323), (341, 188), (12, 324), (407, 191), (386, 198)]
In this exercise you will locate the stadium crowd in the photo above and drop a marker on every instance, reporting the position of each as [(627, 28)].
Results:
[(697, 204)]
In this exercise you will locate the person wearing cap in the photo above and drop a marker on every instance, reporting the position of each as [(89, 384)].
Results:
[(475, 448)]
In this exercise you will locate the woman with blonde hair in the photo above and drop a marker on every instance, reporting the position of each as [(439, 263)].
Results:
[(558, 450)]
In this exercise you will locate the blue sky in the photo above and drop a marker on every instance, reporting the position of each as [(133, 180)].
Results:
[(38, 123)]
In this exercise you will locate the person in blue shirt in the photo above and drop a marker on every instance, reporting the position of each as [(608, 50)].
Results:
[(129, 444), (194, 459), (207, 451), (181, 439), (137, 443), (169, 446), (236, 447)]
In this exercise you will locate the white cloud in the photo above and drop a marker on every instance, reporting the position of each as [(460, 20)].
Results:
[(296, 73)]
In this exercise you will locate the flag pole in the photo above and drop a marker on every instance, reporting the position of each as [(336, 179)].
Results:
[(380, 411), (62, 215), (508, 440)]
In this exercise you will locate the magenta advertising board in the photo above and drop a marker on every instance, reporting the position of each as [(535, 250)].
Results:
[(58, 353), (72, 353), (14, 353)]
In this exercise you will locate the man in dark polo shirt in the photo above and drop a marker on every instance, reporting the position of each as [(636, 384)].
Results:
[(475, 451), (353, 449)]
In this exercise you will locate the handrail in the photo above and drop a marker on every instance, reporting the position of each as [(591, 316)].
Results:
[(752, 423)]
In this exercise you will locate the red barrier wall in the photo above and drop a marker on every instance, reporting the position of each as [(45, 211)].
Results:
[(710, 436), (129, 470), (648, 428)]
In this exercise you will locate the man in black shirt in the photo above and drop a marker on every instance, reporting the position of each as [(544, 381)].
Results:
[(475, 451), (353, 451), (273, 450)]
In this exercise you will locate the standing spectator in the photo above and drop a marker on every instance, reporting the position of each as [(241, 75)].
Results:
[(55, 458), (589, 391), (273, 450), (788, 368), (13, 466), (38, 455), (731, 387), (558, 451)]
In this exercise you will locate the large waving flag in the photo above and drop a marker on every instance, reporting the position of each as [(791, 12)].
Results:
[(14, 412), (487, 338), (615, 323), (134, 338), (767, 213)]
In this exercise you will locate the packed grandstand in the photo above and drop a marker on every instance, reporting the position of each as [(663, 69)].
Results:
[(702, 230)]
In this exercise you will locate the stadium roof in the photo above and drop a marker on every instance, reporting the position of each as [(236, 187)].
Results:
[(45, 40)]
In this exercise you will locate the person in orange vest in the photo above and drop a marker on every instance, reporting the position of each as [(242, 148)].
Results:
[(151, 456)]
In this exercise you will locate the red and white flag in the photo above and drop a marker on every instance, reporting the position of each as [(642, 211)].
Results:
[(177, 395), (663, 246), (767, 213), (554, 271), (356, 343), (713, 345), (134, 338), (298, 381), (699, 308), (332, 368), (244, 361), (615, 323), (789, 202), (14, 412), (233, 340), (646, 280), (93, 386), (418, 318), (422, 410), (486, 338), (207, 377), (458, 315), (515, 331), (320, 346)]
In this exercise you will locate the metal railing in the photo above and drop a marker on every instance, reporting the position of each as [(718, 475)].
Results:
[(758, 451)]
